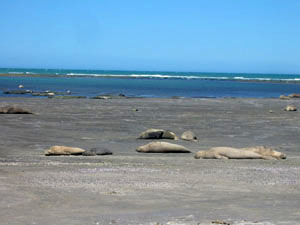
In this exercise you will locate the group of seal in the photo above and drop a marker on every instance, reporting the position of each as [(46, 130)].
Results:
[(256, 152), (66, 150), (158, 134), (166, 134), (164, 147)]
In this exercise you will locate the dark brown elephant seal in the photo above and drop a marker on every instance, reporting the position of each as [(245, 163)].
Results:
[(188, 136), (64, 150), (97, 151), (13, 110), (158, 134), (162, 147)]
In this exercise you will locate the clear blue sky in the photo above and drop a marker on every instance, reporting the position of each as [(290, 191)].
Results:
[(173, 35)]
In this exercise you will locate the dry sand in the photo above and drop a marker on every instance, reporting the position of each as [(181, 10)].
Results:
[(136, 188)]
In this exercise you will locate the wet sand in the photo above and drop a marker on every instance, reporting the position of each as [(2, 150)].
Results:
[(135, 188)]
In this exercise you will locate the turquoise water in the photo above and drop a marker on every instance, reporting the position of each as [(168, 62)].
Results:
[(153, 83), (155, 74)]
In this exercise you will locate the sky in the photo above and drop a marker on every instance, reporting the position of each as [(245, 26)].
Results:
[(255, 36)]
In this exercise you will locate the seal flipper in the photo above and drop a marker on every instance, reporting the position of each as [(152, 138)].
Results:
[(268, 157), (220, 156)]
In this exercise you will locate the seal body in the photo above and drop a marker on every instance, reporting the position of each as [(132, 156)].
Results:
[(256, 152), (13, 110), (162, 147), (97, 151), (188, 136), (64, 150), (227, 153), (158, 134), (265, 151), (290, 108)]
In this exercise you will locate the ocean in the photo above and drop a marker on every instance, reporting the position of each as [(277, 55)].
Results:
[(150, 83)]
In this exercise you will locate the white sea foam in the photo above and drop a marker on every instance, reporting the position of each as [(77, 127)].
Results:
[(241, 78), (148, 76), (160, 76), (183, 77), (16, 72)]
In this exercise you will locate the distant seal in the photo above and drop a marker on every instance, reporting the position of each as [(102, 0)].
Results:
[(13, 110), (18, 92), (266, 151), (228, 153), (283, 97), (158, 134), (97, 151), (188, 136), (162, 147), (290, 108), (294, 95), (64, 150)]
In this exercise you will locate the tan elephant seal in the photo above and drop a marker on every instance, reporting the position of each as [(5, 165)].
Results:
[(228, 153), (290, 108), (158, 134), (283, 97), (162, 147), (64, 150), (265, 151), (188, 136)]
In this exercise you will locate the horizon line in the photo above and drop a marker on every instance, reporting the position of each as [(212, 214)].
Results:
[(134, 70)]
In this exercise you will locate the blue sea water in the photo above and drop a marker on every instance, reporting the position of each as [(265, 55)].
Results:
[(151, 83)]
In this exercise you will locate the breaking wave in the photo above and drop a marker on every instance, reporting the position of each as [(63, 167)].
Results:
[(183, 77)]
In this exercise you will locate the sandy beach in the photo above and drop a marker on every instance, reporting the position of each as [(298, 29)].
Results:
[(137, 188)]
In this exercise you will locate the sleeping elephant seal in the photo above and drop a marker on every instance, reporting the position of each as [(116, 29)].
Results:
[(162, 147), (13, 110), (188, 136), (228, 153), (290, 108), (158, 134), (64, 150), (97, 151), (265, 151)]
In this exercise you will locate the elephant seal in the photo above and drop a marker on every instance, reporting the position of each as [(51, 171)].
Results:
[(158, 134), (294, 95), (97, 151), (13, 110), (283, 97), (64, 150), (188, 136), (265, 151), (290, 108), (228, 153), (162, 147)]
